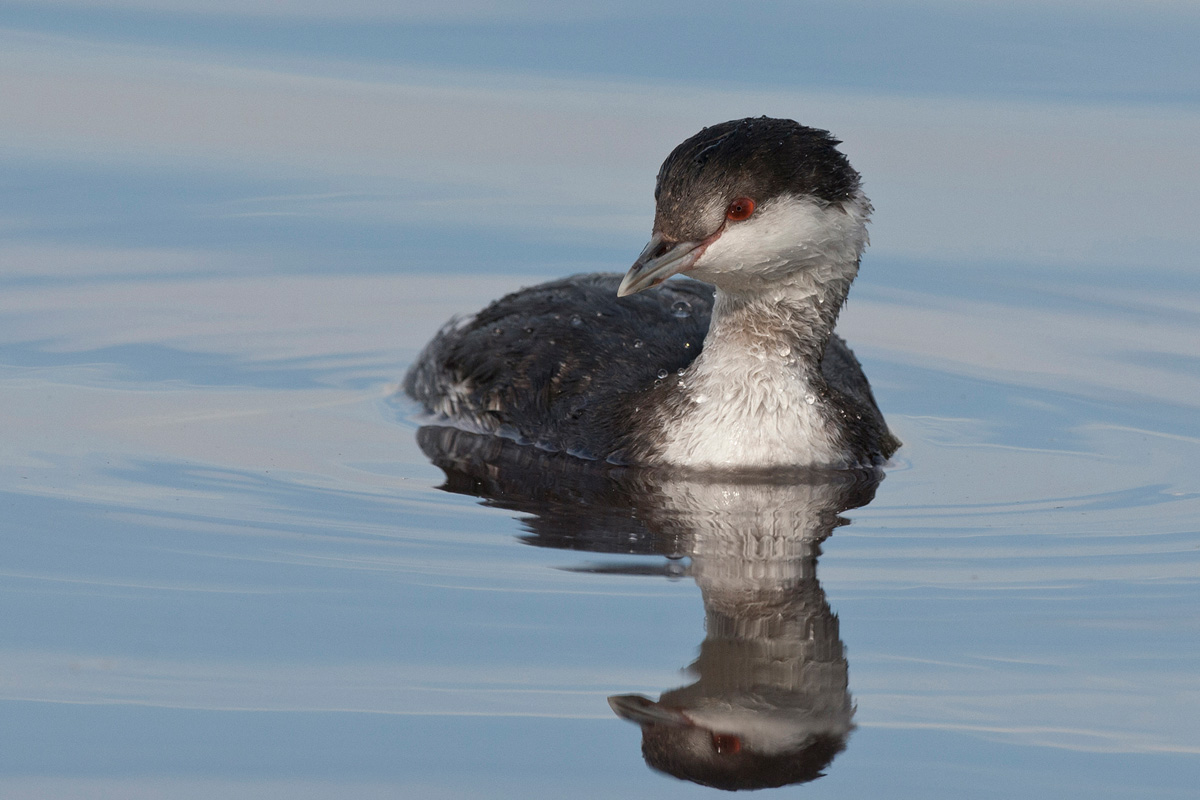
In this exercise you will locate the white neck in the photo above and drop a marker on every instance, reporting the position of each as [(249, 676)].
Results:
[(755, 395)]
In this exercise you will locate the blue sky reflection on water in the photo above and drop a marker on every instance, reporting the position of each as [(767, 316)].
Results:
[(225, 228)]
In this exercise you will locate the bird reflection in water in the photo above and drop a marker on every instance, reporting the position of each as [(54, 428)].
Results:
[(769, 704)]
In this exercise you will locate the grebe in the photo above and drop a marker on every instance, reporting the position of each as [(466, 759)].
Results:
[(743, 373)]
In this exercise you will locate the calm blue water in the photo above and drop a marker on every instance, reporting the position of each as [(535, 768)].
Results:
[(226, 564)]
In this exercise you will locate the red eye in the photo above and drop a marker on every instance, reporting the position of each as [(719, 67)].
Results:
[(727, 743), (740, 209)]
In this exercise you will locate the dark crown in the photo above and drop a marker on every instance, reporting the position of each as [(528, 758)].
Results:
[(760, 158)]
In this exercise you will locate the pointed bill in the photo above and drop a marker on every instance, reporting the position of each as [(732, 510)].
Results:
[(644, 711), (660, 260)]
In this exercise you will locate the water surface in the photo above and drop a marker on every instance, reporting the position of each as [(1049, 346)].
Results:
[(230, 569)]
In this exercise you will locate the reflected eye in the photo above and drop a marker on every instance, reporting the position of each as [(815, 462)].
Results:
[(740, 209), (727, 743)]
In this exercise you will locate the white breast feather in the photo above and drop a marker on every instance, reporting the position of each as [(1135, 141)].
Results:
[(749, 409)]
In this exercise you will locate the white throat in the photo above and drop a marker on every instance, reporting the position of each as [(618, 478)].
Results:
[(755, 395)]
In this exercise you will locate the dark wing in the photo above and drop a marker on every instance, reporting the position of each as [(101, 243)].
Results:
[(559, 365), (851, 394)]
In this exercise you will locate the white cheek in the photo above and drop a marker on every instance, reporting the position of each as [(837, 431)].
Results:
[(786, 234)]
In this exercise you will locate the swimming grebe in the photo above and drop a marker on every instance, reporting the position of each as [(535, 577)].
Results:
[(636, 371)]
